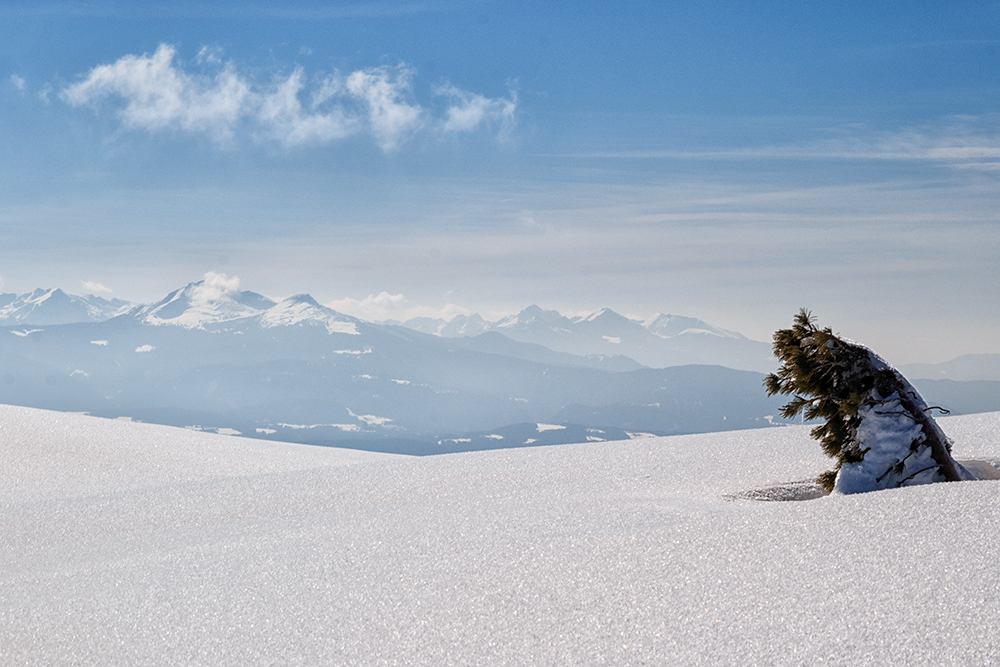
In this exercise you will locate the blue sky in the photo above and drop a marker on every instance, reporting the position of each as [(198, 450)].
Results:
[(729, 161)]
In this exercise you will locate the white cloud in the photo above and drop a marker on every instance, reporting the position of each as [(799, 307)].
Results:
[(468, 111), (374, 307), (214, 288), (209, 55), (159, 95), (155, 92), (284, 118), (385, 90), (96, 287), (18, 82), (445, 312), (385, 306)]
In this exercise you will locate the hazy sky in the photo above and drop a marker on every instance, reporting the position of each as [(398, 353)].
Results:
[(723, 160)]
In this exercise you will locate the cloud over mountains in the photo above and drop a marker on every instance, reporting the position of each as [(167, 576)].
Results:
[(159, 92)]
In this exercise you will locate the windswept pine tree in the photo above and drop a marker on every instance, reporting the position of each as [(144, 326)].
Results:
[(878, 428)]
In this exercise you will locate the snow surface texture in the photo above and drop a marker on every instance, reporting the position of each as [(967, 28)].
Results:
[(136, 544)]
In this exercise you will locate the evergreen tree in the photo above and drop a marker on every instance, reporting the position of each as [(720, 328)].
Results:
[(878, 429)]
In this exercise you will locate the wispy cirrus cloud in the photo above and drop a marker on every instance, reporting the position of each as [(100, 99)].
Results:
[(156, 92), (969, 142)]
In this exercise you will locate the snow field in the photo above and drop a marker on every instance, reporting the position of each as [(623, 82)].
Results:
[(136, 544)]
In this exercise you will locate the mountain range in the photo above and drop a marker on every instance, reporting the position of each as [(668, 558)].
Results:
[(211, 357), (662, 340), (53, 306)]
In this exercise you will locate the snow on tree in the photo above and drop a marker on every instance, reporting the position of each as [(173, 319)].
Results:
[(878, 428)]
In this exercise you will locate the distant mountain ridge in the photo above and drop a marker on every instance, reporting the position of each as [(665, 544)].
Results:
[(202, 304), (53, 306), (605, 337), (968, 367), (212, 357), (660, 341)]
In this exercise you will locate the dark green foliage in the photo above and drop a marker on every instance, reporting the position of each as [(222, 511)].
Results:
[(830, 379), (833, 379), (827, 479)]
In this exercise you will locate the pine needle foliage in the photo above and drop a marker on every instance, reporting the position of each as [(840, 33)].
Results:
[(829, 378)]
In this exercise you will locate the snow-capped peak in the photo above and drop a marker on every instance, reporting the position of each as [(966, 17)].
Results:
[(53, 306), (465, 325), (217, 298), (668, 326), (40, 295), (302, 309), (530, 315)]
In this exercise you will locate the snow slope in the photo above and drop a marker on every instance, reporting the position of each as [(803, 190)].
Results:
[(138, 544)]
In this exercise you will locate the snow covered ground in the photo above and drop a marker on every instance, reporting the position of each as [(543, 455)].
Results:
[(125, 543)]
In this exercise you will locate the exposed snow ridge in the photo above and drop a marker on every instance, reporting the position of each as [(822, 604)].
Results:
[(197, 318), (371, 420), (593, 316), (549, 427), (700, 332), (350, 428)]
